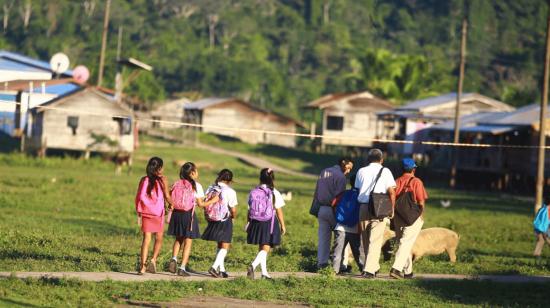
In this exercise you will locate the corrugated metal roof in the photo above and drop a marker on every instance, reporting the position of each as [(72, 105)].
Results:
[(205, 103), (526, 115), (433, 101), (18, 60), (469, 120)]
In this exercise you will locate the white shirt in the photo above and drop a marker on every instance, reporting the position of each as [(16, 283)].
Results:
[(365, 179), (228, 194), (199, 193), (279, 202)]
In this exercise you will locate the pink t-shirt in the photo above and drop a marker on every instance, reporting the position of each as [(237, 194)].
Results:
[(152, 204)]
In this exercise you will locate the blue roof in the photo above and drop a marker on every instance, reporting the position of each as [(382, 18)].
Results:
[(58, 89), (11, 60)]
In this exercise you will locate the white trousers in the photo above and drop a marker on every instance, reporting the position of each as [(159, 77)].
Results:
[(406, 237)]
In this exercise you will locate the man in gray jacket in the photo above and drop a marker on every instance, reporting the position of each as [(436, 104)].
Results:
[(331, 182)]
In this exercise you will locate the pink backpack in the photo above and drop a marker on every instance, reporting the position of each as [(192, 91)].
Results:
[(150, 204), (183, 195), (218, 211)]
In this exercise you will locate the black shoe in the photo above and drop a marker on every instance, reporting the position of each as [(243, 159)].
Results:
[(182, 272), (368, 275), (250, 272), (396, 274), (266, 277), (322, 266), (408, 276), (189, 270), (224, 274), (173, 266), (213, 272)]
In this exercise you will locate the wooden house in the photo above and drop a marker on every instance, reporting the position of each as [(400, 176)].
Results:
[(347, 115), (503, 168), (215, 113), (85, 120), (413, 120), (171, 111)]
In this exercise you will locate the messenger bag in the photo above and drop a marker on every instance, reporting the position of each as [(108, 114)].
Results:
[(380, 205)]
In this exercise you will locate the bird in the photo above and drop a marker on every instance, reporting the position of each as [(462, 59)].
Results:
[(445, 203)]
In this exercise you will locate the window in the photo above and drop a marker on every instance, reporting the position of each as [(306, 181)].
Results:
[(155, 123), (72, 122), (335, 123), (124, 125)]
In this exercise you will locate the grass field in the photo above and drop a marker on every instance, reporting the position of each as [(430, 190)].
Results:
[(72, 215)]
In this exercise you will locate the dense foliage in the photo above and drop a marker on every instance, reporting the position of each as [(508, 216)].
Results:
[(282, 54)]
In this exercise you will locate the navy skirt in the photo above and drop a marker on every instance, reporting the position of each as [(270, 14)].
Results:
[(180, 225), (219, 231), (259, 233)]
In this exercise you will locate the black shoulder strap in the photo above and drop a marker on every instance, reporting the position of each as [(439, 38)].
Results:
[(376, 180)]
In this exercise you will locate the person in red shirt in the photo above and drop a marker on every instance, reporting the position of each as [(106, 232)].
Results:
[(406, 235)]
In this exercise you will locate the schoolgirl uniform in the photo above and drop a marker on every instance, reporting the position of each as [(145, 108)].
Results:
[(185, 223), (259, 232), (222, 231), (150, 206)]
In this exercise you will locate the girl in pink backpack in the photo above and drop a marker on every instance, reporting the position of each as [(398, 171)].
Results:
[(186, 194), (220, 217), (151, 194), (266, 223)]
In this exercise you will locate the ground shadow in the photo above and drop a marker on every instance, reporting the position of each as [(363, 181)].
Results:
[(308, 262), (100, 227), (10, 303), (487, 293)]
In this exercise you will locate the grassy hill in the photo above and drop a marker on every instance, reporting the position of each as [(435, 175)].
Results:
[(60, 214)]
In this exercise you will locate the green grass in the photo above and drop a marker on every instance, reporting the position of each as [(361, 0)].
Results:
[(72, 215), (320, 292)]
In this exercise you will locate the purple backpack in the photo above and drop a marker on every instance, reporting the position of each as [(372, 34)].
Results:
[(261, 205)]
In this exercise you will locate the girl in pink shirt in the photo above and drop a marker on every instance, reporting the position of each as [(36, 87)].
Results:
[(151, 194)]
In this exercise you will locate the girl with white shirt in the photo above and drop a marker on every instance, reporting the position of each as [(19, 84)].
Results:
[(267, 232), (183, 221), (220, 217)]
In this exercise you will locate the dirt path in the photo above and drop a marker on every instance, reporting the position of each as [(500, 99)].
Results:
[(210, 301), (122, 276), (255, 161)]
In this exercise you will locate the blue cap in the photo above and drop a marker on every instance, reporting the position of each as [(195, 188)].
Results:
[(409, 164)]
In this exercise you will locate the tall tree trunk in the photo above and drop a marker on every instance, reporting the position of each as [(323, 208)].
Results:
[(212, 22), (326, 12), (26, 14), (7, 7)]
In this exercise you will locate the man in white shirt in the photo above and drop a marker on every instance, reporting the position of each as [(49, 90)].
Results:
[(372, 230)]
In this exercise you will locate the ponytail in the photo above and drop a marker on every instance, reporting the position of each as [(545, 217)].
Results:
[(267, 177), (185, 173), (225, 175), (153, 167)]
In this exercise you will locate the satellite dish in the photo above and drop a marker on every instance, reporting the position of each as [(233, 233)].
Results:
[(59, 63), (81, 74)]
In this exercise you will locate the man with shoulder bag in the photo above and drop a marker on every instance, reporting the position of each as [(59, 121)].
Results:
[(408, 221), (377, 198)]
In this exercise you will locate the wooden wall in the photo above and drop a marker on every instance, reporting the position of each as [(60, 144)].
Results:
[(359, 121), (235, 114), (51, 128)]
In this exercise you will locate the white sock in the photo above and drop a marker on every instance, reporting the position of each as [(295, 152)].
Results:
[(258, 259), (220, 257), (263, 264), (175, 258), (182, 266)]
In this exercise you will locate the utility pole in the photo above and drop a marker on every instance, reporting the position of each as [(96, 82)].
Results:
[(103, 42), (456, 138), (542, 125), (118, 76)]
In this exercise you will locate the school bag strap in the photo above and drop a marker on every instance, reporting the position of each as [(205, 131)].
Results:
[(376, 180)]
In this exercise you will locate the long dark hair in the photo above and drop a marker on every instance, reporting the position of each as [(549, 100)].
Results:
[(267, 177), (224, 175), (185, 173), (153, 167)]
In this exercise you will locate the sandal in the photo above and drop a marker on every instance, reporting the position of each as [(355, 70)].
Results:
[(142, 270), (151, 267)]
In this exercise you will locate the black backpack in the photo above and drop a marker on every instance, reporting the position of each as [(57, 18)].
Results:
[(406, 207)]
